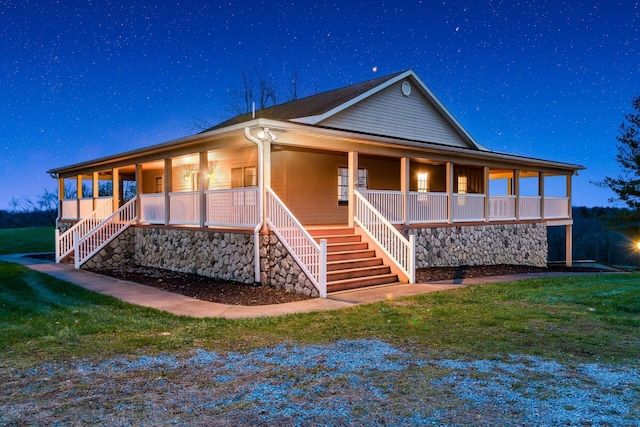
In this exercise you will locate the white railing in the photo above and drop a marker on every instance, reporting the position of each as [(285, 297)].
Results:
[(400, 250), (311, 256), (87, 246), (184, 208), (389, 203), (152, 208), (502, 207), (65, 242), (69, 209), (427, 207), (232, 208), (529, 207), (468, 207), (556, 207)]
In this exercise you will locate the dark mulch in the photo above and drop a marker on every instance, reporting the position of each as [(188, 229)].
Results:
[(230, 292)]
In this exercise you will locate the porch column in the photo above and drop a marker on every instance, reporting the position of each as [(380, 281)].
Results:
[(450, 192), (115, 184), (353, 182), (568, 183), (204, 181), (167, 189), (138, 191), (485, 184), (60, 198), (96, 191), (78, 195), (266, 179), (541, 193), (405, 180), (569, 244), (516, 192)]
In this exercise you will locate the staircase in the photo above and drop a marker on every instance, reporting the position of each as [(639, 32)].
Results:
[(351, 263)]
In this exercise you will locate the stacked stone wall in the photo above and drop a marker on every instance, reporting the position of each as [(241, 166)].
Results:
[(117, 253), (280, 270), (222, 255), (488, 244)]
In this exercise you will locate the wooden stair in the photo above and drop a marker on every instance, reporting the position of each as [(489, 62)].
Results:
[(351, 264)]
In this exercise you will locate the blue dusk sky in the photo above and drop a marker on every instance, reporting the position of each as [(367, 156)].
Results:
[(86, 79)]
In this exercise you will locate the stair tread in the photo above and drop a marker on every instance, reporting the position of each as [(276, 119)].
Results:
[(354, 269), (361, 279), (352, 260)]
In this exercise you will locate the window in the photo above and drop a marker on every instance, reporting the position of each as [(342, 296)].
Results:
[(423, 183), (462, 185), (158, 184), (244, 177), (343, 183)]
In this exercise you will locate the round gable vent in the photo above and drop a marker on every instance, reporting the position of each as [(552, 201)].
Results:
[(406, 88)]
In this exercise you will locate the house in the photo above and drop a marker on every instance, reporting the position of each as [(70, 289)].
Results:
[(354, 187)]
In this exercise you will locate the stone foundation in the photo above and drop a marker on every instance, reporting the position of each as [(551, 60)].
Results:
[(487, 244), (280, 270), (119, 252), (230, 256), (221, 255)]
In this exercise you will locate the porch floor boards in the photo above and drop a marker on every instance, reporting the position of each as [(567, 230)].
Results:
[(351, 264)]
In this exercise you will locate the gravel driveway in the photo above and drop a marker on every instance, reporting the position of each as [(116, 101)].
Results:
[(352, 382)]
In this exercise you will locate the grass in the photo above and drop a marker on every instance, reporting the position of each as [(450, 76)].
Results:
[(582, 319), (24, 240)]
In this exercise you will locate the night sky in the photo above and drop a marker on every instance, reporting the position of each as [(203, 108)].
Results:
[(85, 79)]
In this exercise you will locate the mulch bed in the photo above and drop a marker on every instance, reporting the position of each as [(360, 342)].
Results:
[(234, 293)]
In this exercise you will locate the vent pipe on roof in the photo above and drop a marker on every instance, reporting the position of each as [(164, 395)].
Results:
[(253, 110)]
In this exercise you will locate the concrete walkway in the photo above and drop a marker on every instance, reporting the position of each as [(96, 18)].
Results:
[(148, 296)]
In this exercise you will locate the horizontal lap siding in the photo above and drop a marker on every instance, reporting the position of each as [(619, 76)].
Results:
[(390, 113)]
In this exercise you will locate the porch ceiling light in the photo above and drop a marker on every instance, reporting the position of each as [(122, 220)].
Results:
[(266, 135)]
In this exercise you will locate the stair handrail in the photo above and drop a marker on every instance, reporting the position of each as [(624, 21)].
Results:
[(65, 241), (399, 249), (87, 246), (310, 256)]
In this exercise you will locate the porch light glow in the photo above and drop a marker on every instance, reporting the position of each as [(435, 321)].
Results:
[(638, 245)]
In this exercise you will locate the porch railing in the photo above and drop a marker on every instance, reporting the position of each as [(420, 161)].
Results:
[(87, 246), (556, 207), (529, 207), (311, 256), (502, 207), (427, 207), (152, 208), (65, 242), (400, 250), (69, 209), (184, 208), (232, 208), (468, 207), (86, 206), (389, 203)]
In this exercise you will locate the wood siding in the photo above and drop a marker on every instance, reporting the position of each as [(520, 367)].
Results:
[(390, 113)]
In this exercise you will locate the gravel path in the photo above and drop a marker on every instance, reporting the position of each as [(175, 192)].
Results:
[(352, 382)]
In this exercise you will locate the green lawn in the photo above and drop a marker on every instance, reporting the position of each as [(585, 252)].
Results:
[(582, 318), (23, 240)]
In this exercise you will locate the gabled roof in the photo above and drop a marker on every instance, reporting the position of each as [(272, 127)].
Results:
[(311, 105), (315, 109)]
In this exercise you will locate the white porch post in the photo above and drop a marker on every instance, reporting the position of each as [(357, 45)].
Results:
[(264, 164), (78, 194), (138, 191), (115, 184), (94, 181), (353, 182), (541, 193), (167, 189), (450, 192), (405, 186), (516, 192), (60, 199), (485, 175), (204, 182)]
